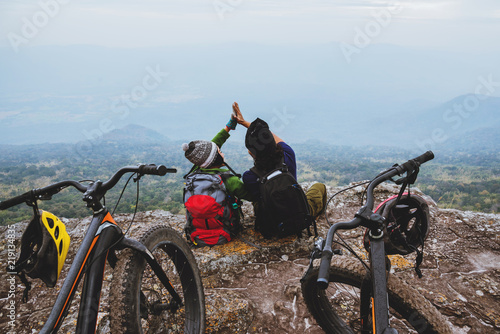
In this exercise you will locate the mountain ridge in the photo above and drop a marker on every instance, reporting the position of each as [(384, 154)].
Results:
[(59, 94), (134, 133)]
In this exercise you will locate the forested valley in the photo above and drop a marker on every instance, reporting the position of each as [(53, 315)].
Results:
[(461, 179)]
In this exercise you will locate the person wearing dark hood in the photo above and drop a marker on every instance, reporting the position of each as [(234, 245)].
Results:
[(269, 151)]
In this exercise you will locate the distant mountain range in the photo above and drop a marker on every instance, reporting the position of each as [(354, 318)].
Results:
[(305, 92), (442, 126), (435, 127), (480, 140), (134, 133)]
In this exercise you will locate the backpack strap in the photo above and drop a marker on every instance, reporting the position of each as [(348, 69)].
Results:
[(193, 169), (281, 166), (236, 203), (257, 172), (225, 176), (232, 171)]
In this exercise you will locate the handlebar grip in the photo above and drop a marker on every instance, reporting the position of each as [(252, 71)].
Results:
[(16, 200), (156, 170), (324, 269), (424, 157), (412, 164)]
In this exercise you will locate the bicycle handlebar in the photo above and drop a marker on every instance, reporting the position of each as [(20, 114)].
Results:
[(16, 200), (327, 253), (427, 156), (54, 188), (151, 169), (408, 167), (156, 170), (415, 162)]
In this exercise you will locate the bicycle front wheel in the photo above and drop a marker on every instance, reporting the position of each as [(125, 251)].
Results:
[(337, 309), (139, 303)]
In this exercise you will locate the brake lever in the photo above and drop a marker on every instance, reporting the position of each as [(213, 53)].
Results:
[(409, 178), (319, 244), (315, 254), (400, 180), (137, 177), (46, 197)]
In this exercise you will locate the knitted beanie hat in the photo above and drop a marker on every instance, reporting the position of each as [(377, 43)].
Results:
[(259, 140), (202, 153)]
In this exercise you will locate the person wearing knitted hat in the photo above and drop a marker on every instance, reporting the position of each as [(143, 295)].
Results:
[(268, 150), (203, 153), (206, 156)]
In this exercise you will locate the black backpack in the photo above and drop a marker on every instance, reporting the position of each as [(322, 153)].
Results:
[(282, 209)]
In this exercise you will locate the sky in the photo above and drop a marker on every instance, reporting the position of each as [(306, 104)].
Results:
[(459, 25), (365, 56)]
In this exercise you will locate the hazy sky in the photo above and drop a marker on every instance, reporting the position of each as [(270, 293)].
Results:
[(418, 53), (459, 25)]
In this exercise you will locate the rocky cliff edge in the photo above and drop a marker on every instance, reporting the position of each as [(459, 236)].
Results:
[(252, 285)]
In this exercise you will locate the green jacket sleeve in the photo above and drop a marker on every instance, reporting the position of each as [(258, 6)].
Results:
[(221, 137), (236, 187)]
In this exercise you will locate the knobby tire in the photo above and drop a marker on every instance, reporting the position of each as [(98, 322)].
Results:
[(136, 290), (337, 309)]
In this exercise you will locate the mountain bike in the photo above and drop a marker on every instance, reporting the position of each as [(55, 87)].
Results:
[(156, 287), (347, 295)]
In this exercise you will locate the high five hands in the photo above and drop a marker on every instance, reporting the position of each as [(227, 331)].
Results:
[(238, 116)]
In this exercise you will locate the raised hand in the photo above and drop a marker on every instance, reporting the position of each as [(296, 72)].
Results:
[(238, 116)]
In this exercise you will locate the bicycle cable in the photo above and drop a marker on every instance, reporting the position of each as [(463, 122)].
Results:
[(349, 248), (121, 194), (136, 205), (344, 243), (129, 226), (337, 193), (382, 172)]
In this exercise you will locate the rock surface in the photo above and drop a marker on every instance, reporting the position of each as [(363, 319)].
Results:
[(252, 285)]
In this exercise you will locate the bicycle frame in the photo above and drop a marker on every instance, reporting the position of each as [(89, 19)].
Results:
[(374, 222), (380, 303), (100, 238), (378, 276)]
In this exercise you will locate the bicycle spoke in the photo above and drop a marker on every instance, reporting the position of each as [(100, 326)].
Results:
[(345, 299)]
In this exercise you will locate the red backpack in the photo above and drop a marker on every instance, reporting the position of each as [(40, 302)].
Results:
[(211, 212)]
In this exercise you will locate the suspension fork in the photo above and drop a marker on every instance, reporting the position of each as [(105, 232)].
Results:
[(158, 270), (365, 303), (378, 272)]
